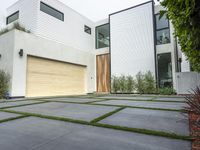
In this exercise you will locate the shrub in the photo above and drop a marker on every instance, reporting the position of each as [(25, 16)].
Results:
[(140, 83), (150, 83), (193, 101), (4, 83), (130, 83), (122, 83), (14, 26), (166, 91), (185, 15), (115, 84)]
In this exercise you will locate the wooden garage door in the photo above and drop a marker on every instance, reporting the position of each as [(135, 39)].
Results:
[(52, 78)]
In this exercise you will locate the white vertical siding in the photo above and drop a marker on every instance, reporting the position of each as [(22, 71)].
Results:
[(132, 41), (2, 20), (70, 32), (27, 13)]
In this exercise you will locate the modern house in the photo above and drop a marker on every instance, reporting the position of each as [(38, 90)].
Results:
[(67, 54)]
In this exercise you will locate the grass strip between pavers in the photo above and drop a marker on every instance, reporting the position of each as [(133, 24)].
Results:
[(128, 129), (42, 102), (137, 100), (111, 105), (107, 115), (162, 109), (10, 101), (13, 118)]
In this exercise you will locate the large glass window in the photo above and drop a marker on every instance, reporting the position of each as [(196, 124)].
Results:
[(165, 70), (12, 17), (102, 36), (51, 11), (162, 30)]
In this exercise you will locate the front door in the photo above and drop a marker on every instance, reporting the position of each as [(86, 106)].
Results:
[(103, 73)]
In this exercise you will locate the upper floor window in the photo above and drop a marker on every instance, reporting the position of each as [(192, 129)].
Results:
[(103, 36), (51, 11), (12, 18), (87, 29), (162, 30)]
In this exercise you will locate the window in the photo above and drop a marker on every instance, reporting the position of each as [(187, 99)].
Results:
[(87, 29), (51, 11), (102, 36), (162, 30), (165, 70), (12, 17)]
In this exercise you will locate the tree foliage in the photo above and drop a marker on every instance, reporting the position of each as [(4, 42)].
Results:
[(185, 17)]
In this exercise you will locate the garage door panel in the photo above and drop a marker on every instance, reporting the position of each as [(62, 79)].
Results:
[(52, 78)]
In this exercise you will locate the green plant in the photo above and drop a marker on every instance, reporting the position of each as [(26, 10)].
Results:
[(150, 83), (166, 91), (185, 17), (130, 84), (140, 83), (193, 101), (115, 84), (122, 83), (4, 83), (14, 26)]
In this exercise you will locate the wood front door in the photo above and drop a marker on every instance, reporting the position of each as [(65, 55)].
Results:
[(103, 73)]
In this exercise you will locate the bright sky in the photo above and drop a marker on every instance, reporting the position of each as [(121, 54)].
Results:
[(93, 9)]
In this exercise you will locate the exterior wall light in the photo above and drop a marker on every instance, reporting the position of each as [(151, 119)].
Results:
[(21, 52), (0, 55)]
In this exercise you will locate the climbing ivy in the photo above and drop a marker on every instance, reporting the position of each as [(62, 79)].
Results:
[(185, 17)]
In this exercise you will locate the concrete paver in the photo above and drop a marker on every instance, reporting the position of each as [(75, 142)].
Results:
[(5, 115), (167, 121), (67, 110), (10, 104), (42, 134), (163, 105)]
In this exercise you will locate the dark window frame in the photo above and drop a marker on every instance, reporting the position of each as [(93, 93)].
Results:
[(162, 29), (17, 12), (96, 34), (87, 29), (63, 15), (159, 54)]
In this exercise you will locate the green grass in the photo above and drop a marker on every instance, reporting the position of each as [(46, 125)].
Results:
[(94, 123), (10, 101), (162, 109), (13, 118), (107, 115), (23, 105), (151, 100), (95, 104), (145, 131)]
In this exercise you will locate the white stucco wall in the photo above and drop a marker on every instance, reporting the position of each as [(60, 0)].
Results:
[(41, 47), (186, 81), (6, 52)]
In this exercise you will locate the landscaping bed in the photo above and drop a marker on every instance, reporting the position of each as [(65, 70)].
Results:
[(195, 131)]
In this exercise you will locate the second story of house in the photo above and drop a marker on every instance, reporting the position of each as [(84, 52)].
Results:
[(54, 20)]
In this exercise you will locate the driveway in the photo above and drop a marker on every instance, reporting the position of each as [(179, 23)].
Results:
[(95, 123)]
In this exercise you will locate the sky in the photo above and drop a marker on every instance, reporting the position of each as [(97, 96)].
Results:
[(95, 10)]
